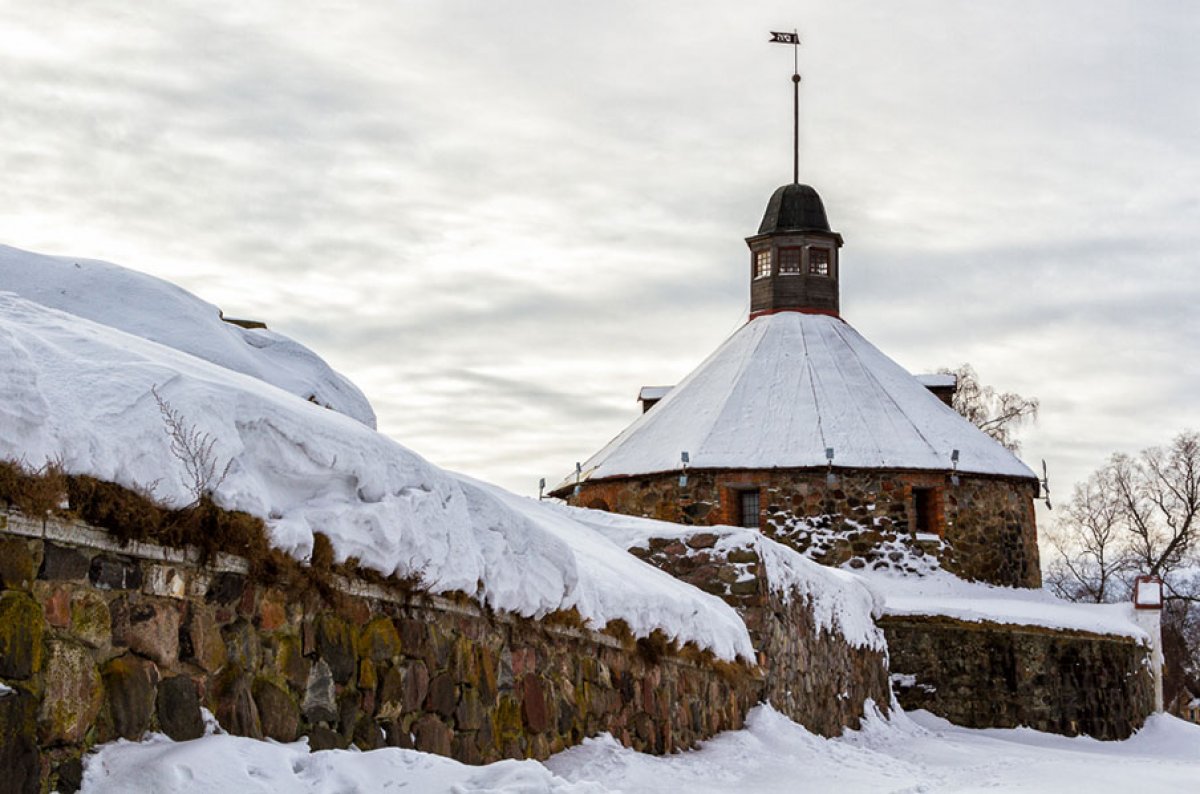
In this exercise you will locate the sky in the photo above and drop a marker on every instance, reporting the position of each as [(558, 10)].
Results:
[(501, 219)]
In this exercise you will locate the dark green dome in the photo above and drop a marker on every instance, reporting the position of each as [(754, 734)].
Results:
[(794, 208)]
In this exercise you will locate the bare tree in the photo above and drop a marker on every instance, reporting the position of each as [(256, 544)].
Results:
[(1139, 515), (1089, 544), (999, 414)]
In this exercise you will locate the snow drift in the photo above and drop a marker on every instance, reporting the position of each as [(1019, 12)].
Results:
[(80, 392)]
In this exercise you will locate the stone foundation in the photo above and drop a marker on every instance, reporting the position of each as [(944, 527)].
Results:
[(983, 528), (988, 675), (100, 641)]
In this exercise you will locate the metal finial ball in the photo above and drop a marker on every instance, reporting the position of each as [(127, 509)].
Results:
[(795, 78)]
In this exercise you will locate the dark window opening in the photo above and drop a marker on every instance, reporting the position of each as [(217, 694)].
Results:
[(748, 509), (924, 510), (789, 261), (818, 261)]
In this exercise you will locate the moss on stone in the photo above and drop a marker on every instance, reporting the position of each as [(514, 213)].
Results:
[(21, 628)]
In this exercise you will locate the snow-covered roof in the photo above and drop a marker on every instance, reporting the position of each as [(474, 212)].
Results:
[(654, 392), (937, 380), (783, 389)]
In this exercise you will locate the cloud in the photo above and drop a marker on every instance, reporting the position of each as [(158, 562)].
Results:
[(503, 219)]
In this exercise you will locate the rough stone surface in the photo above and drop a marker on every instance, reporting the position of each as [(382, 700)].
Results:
[(987, 527), (130, 686), (277, 710), (110, 572), (63, 562), (20, 760), (21, 627), (178, 709), (72, 696), (17, 565), (320, 701), (985, 675)]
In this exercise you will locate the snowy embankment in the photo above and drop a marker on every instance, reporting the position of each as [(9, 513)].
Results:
[(917, 752), (840, 602), (941, 593), (79, 392)]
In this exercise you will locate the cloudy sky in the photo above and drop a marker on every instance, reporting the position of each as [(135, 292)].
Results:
[(501, 219)]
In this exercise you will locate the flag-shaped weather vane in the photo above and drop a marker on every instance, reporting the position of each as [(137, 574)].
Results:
[(793, 38)]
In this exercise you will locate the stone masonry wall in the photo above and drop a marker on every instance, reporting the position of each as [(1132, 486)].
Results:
[(985, 528), (987, 675), (99, 641), (814, 676)]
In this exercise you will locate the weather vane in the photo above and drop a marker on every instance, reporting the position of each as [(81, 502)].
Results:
[(793, 38)]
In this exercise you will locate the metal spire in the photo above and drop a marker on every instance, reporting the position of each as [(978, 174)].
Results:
[(793, 38)]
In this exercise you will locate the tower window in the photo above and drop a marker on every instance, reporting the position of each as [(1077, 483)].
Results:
[(818, 261), (762, 263), (748, 508), (789, 261)]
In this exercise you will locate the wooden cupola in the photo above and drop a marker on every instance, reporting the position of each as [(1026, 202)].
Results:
[(794, 257)]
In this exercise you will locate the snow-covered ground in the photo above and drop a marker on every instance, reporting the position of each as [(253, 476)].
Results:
[(908, 753), (80, 384)]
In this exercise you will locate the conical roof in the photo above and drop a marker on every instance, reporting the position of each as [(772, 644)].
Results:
[(784, 388)]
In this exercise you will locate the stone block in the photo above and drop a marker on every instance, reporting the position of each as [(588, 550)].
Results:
[(201, 641), (379, 640), (72, 693), (17, 564), (236, 709), (63, 563), (335, 644), (178, 708), (320, 698), (90, 619), (225, 588), (130, 686), (57, 607), (533, 704), (20, 761), (443, 696), (21, 627), (153, 631), (111, 572), (431, 735), (166, 581), (277, 711)]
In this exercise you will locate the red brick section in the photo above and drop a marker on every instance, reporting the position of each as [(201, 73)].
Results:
[(826, 312)]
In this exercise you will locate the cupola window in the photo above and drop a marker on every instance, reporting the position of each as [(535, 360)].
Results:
[(762, 263), (818, 261), (789, 261)]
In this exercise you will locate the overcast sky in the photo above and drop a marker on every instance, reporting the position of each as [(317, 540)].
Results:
[(501, 219)]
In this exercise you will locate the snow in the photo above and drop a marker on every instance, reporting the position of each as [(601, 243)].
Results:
[(654, 392), (941, 380), (79, 392), (784, 388), (942, 593), (5, 689), (840, 602), (160, 311), (908, 752)]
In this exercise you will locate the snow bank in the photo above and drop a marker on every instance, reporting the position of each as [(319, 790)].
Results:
[(840, 602), (917, 752), (221, 764), (941, 593), (80, 392), (154, 309)]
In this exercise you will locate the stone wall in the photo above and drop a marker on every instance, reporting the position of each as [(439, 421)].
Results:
[(987, 675), (99, 641), (813, 675), (984, 528)]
